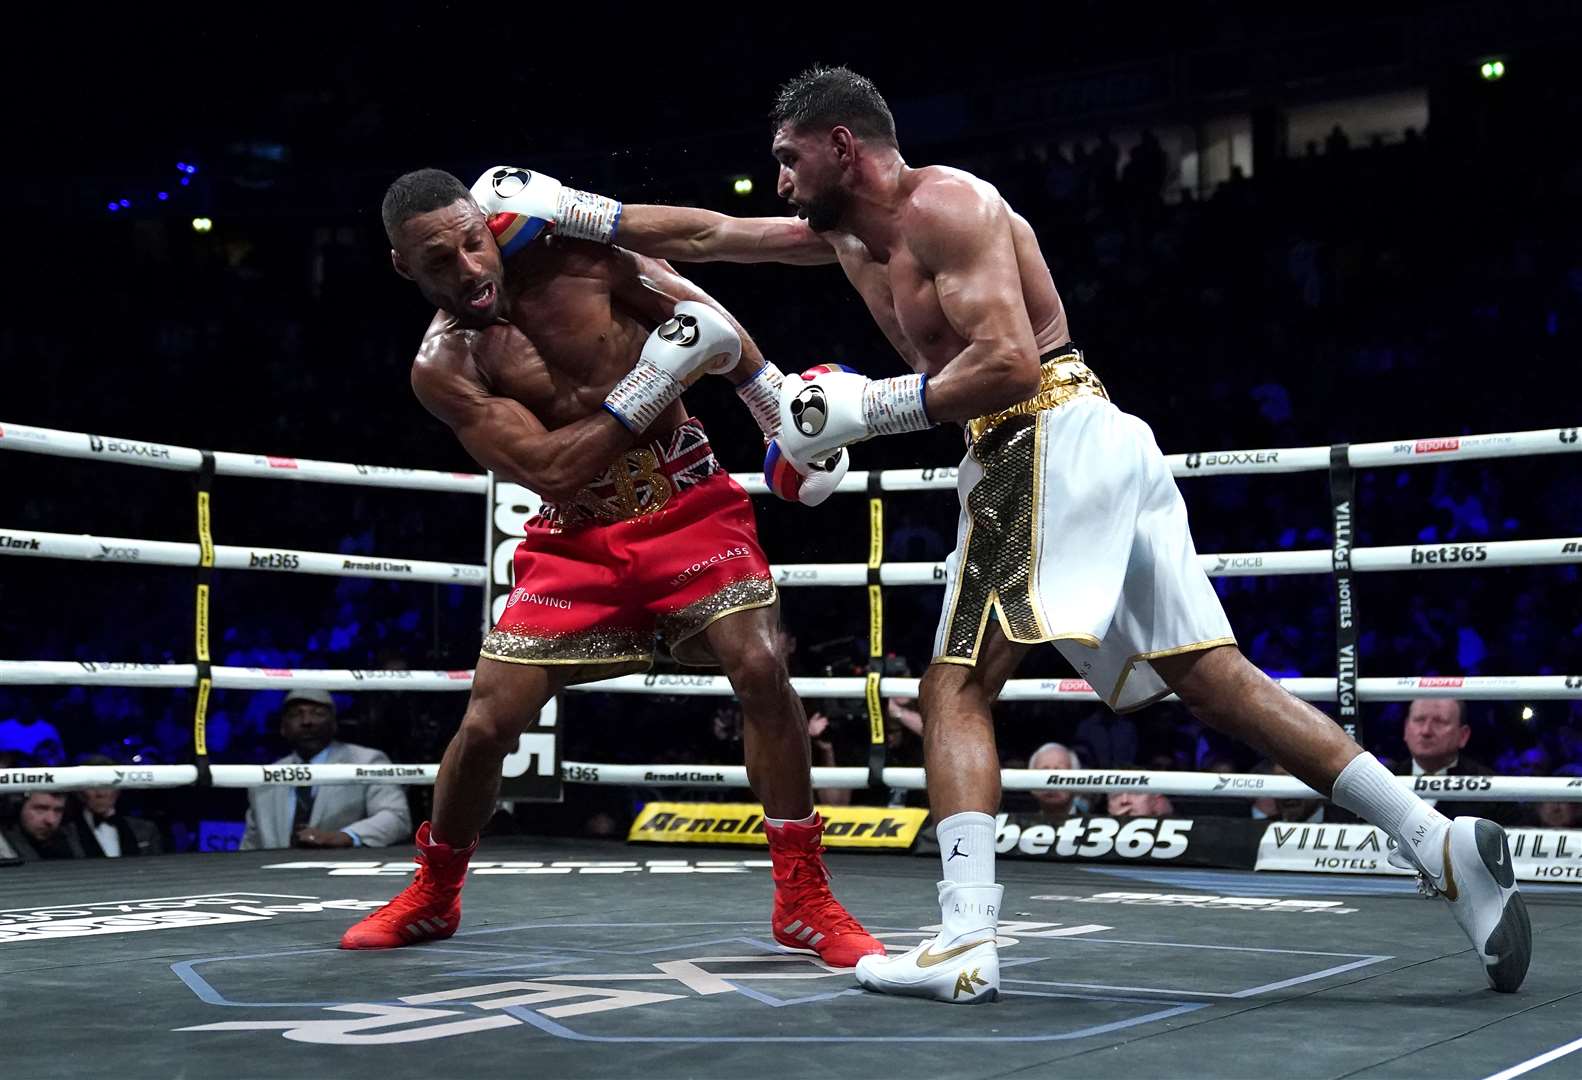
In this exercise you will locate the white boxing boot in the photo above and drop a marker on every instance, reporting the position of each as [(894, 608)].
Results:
[(960, 966), (1474, 875)]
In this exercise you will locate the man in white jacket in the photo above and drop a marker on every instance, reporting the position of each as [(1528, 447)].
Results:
[(332, 816)]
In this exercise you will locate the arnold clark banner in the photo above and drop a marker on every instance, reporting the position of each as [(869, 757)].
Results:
[(743, 823), (1537, 854)]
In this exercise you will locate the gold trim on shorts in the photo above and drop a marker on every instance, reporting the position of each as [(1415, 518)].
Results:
[(1158, 654), (1063, 377), (1001, 546), (595, 654), (680, 627), (573, 672), (998, 567)]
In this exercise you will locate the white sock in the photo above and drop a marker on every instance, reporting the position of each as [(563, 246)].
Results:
[(1368, 790), (966, 848), (782, 822)]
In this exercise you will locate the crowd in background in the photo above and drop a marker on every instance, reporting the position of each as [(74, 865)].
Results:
[(1345, 293)]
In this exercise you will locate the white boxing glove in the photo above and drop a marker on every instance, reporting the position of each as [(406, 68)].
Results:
[(520, 204), (696, 340), (830, 406)]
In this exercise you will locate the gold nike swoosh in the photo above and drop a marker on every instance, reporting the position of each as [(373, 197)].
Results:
[(1450, 891), (929, 959)]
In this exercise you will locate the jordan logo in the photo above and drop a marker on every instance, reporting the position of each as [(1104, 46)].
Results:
[(954, 851), (965, 981)]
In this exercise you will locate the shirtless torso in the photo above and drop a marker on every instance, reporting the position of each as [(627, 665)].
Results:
[(576, 316), (951, 274), (899, 284)]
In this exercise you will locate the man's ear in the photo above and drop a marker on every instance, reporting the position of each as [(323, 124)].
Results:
[(844, 143), (400, 264)]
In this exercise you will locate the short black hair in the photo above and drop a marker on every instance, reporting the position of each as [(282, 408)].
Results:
[(418, 192), (829, 96)]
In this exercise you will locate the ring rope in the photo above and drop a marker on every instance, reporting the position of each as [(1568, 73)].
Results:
[(1297, 459), (1213, 785), (77, 444), (87, 547), (89, 673)]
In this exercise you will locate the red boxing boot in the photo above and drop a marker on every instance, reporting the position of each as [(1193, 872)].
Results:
[(806, 914), (426, 910)]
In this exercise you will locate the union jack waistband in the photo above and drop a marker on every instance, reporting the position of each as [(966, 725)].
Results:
[(640, 481)]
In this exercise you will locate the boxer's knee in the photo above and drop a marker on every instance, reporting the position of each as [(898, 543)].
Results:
[(948, 690), (758, 673), (1209, 683), (492, 731), (503, 705)]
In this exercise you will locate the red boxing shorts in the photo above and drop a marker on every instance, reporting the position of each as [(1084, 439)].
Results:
[(662, 544)]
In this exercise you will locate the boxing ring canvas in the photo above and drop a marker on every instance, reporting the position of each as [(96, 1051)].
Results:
[(599, 959)]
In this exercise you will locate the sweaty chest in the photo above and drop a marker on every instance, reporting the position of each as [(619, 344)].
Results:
[(905, 301), (567, 344)]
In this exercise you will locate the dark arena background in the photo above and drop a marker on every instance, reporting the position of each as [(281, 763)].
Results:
[(1332, 258)]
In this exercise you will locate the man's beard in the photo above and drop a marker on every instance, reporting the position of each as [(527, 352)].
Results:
[(824, 213)]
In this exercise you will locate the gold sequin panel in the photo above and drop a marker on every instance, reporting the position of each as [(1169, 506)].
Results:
[(1060, 380), (997, 559), (679, 627), (585, 646)]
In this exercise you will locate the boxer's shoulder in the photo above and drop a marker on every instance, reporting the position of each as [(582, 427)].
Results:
[(449, 356), (945, 196)]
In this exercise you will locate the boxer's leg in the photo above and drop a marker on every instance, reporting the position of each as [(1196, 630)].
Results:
[(506, 699), (962, 964), (775, 743), (958, 727), (774, 725), (1229, 694)]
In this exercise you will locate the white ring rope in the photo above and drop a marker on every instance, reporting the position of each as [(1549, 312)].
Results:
[(119, 549), (85, 547), (86, 673), (1287, 460), (78, 444), (1210, 785)]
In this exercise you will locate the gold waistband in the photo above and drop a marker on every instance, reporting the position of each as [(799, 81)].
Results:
[(1060, 380)]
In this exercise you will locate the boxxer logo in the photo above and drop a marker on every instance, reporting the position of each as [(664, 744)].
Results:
[(680, 330), (809, 410), (509, 182)]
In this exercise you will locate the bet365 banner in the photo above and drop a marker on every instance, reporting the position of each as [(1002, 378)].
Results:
[(743, 823)]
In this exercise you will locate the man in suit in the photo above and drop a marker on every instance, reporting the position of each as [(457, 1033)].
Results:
[(332, 816), (1436, 733), (96, 828)]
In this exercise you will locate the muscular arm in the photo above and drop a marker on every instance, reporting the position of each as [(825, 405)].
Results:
[(961, 233), (692, 235), (653, 288), (503, 435)]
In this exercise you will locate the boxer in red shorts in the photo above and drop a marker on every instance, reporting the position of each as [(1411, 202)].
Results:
[(559, 363)]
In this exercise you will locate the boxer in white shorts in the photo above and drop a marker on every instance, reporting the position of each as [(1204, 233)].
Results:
[(1072, 530)]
